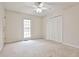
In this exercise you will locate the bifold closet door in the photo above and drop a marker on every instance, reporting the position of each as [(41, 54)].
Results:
[(54, 28), (2, 14), (1, 34)]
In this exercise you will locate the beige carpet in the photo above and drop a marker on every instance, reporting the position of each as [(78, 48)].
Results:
[(38, 48)]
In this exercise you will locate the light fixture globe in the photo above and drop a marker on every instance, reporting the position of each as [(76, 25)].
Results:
[(38, 10)]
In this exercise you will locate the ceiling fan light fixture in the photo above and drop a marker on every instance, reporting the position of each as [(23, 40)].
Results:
[(39, 7), (38, 10)]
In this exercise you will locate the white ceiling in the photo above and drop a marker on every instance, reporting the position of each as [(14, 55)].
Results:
[(27, 7)]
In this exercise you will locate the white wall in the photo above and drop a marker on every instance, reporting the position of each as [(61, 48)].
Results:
[(14, 26), (70, 25), (1, 26), (37, 27)]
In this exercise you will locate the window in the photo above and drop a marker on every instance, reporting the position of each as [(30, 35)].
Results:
[(27, 28)]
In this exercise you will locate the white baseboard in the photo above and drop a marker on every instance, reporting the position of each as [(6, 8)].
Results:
[(22, 40), (1, 49), (75, 46), (13, 41), (37, 38)]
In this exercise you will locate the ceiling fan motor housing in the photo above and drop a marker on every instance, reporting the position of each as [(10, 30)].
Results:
[(37, 3)]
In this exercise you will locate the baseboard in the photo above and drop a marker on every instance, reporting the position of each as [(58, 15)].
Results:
[(23, 40), (35, 38), (1, 50), (71, 45), (13, 42), (75, 46)]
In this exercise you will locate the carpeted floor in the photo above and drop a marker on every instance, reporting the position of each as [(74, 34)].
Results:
[(38, 48)]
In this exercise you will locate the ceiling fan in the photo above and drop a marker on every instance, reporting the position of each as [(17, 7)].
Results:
[(39, 7)]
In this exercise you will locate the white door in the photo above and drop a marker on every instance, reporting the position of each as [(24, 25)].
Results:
[(54, 28), (1, 33)]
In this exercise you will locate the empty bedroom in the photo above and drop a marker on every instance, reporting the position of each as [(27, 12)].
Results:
[(39, 29)]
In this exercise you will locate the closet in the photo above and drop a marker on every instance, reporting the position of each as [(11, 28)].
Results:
[(1, 27), (54, 28)]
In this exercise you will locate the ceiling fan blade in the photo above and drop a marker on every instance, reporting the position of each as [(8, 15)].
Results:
[(35, 6), (41, 4), (43, 8)]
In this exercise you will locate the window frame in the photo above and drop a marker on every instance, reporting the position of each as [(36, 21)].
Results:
[(28, 27)]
